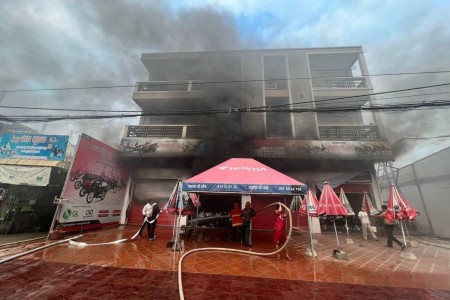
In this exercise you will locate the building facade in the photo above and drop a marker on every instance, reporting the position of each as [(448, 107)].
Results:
[(425, 185), (295, 110)]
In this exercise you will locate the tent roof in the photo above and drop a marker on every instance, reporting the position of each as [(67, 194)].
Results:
[(244, 176)]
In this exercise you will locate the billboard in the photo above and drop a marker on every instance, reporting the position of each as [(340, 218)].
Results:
[(146, 146), (33, 146), (95, 187), (362, 149)]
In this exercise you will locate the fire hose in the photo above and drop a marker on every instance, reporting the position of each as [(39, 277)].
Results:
[(82, 244), (180, 262), (37, 249)]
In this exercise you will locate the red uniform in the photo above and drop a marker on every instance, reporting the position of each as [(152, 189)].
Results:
[(236, 219), (279, 233)]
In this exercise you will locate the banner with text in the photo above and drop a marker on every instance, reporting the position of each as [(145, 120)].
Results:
[(38, 176), (33, 146), (145, 146), (322, 149), (95, 187)]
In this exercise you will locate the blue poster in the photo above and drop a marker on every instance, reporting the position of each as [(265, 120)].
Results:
[(33, 146)]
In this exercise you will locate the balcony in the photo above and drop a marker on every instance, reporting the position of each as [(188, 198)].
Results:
[(168, 86), (149, 94), (327, 89), (339, 83), (276, 88), (169, 131), (349, 133)]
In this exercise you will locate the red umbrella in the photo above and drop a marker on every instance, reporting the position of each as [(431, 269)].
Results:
[(367, 205), (309, 202), (329, 203), (195, 199), (398, 207)]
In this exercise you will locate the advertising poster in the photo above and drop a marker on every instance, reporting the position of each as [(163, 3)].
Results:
[(33, 146), (144, 146), (95, 187), (323, 149)]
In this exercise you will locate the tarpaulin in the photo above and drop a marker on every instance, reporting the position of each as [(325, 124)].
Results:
[(38, 176)]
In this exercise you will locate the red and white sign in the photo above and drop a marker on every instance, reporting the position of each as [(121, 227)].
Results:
[(95, 187)]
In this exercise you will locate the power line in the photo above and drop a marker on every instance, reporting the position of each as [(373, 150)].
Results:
[(218, 82), (273, 106), (268, 109)]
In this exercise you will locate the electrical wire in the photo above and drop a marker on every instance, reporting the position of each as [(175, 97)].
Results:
[(220, 82), (334, 100), (270, 109)]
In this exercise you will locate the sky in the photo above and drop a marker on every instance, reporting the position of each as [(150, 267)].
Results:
[(72, 43)]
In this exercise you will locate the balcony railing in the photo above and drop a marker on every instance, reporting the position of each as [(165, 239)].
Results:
[(276, 85), (339, 83), (169, 86), (170, 131), (349, 133)]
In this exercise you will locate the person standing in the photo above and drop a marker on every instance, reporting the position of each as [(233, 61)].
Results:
[(365, 224), (389, 227), (247, 214), (146, 214), (279, 230), (152, 221), (236, 221)]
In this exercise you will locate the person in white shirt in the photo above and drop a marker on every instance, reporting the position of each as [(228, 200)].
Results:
[(365, 224), (147, 212), (152, 221)]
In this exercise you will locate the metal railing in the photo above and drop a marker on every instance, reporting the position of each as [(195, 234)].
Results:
[(170, 131), (168, 86), (339, 83), (349, 133)]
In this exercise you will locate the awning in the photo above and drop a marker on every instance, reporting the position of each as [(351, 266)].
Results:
[(25, 175), (35, 162), (244, 176), (357, 177)]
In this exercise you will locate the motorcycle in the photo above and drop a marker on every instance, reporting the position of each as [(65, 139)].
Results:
[(321, 149), (98, 190), (147, 147), (56, 152), (76, 175), (85, 184)]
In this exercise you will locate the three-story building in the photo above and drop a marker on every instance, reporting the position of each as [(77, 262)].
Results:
[(295, 110)]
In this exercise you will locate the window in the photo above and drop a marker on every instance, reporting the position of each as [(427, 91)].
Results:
[(275, 72), (278, 124)]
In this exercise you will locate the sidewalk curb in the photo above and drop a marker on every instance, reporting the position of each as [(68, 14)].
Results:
[(21, 242)]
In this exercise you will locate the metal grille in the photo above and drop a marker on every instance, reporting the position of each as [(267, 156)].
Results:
[(348, 133), (155, 131)]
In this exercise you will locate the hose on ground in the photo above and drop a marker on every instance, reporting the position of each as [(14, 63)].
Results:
[(180, 262)]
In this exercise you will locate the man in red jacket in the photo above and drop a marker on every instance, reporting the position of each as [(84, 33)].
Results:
[(236, 221)]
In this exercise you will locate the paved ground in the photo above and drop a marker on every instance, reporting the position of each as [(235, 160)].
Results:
[(143, 269)]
